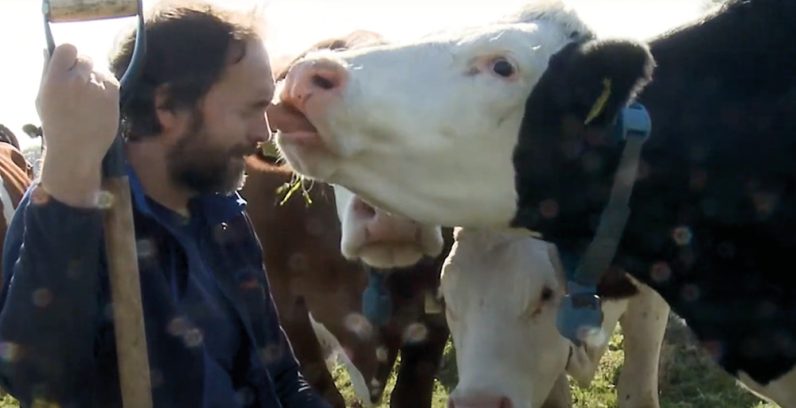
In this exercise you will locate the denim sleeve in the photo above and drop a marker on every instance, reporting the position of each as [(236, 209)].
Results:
[(49, 303)]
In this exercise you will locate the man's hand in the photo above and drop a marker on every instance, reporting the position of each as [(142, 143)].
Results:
[(79, 111)]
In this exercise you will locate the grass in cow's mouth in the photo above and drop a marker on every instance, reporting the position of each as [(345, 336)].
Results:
[(269, 150), (296, 183)]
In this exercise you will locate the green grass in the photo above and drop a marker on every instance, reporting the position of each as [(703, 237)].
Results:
[(688, 379), (443, 385), (7, 401)]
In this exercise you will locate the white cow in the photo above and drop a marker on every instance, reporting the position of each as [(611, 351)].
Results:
[(502, 290)]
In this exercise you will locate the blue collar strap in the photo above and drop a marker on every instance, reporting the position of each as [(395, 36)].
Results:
[(376, 301), (580, 314)]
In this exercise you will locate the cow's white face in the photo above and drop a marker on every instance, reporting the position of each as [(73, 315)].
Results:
[(502, 292), (436, 130), (380, 239), (430, 125)]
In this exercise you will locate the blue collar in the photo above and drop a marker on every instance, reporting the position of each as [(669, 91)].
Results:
[(377, 304), (214, 208), (580, 310), (632, 127)]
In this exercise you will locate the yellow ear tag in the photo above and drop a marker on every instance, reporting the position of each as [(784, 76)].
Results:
[(599, 104)]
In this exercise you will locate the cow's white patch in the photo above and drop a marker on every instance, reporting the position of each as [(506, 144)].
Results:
[(334, 352), (781, 391)]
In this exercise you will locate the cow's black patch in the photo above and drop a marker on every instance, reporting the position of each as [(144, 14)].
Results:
[(616, 285), (564, 166), (713, 222)]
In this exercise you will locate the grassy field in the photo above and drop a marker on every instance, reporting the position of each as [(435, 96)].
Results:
[(688, 379)]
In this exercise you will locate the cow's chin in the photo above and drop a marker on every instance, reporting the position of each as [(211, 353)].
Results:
[(305, 152), (388, 255)]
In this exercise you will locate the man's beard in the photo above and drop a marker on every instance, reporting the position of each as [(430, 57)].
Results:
[(196, 165)]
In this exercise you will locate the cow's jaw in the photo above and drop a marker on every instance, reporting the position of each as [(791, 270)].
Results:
[(380, 239), (309, 162)]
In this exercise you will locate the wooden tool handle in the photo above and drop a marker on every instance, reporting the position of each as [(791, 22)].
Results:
[(85, 10), (131, 345)]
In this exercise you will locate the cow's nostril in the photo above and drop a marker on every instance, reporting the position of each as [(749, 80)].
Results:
[(322, 82)]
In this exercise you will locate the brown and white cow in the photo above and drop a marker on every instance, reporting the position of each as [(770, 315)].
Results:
[(7, 136), (502, 292), (511, 123), (15, 177), (317, 291)]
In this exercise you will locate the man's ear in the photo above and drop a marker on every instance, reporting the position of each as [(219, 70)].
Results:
[(591, 81)]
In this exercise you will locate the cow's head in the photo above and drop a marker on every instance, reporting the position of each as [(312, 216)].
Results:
[(496, 125), (381, 239), (369, 234), (502, 291)]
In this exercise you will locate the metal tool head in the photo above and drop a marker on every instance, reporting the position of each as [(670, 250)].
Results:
[(60, 11), (87, 10)]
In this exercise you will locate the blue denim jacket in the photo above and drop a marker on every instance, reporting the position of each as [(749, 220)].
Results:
[(56, 327)]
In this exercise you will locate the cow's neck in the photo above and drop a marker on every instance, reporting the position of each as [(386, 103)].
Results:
[(585, 267)]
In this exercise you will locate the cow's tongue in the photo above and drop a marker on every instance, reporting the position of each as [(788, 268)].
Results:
[(287, 119)]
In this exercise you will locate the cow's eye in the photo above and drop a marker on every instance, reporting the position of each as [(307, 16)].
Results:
[(503, 67)]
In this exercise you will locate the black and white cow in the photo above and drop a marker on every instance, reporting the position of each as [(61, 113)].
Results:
[(495, 126)]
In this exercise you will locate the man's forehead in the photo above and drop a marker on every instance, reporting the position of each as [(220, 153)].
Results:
[(252, 74)]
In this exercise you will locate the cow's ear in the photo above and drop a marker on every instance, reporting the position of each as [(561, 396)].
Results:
[(592, 80)]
